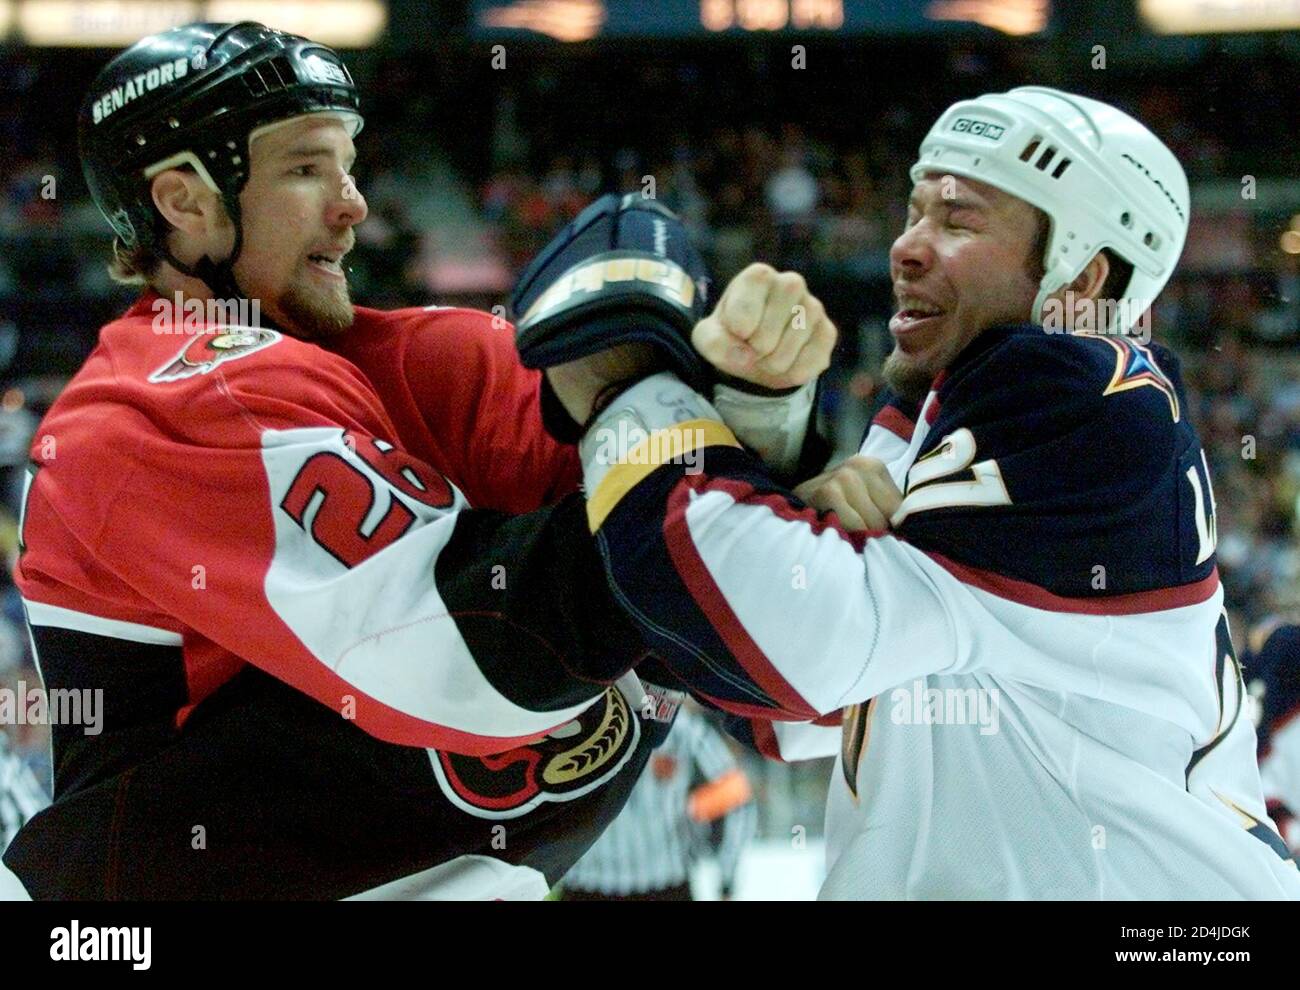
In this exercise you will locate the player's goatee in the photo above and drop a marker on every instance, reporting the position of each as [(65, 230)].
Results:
[(313, 315), (905, 377)]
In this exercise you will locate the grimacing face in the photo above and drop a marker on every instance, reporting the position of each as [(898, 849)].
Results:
[(299, 207), (960, 266)]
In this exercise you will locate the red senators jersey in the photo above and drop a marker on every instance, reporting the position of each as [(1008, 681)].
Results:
[(231, 502), (226, 495)]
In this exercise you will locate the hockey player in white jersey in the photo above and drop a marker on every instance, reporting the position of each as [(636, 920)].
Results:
[(1045, 700)]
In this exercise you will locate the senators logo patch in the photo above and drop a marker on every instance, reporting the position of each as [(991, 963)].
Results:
[(576, 758), (207, 350)]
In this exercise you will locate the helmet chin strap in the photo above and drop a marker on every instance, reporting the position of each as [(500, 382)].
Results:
[(218, 276)]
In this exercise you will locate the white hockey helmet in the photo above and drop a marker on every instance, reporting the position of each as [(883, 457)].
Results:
[(1102, 177)]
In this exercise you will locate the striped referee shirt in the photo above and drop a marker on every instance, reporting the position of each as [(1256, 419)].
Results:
[(650, 845), (20, 794)]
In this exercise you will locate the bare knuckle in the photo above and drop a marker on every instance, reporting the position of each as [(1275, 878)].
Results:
[(792, 282), (865, 463)]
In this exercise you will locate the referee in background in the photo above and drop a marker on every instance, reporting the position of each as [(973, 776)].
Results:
[(22, 793), (21, 796), (646, 854)]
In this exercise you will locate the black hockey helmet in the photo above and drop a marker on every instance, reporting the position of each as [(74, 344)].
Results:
[(193, 96)]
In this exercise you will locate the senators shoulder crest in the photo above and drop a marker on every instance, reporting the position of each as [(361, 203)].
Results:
[(205, 351)]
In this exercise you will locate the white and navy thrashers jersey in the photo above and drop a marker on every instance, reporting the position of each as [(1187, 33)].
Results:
[(1044, 698)]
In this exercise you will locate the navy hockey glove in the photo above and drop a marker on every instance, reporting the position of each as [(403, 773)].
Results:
[(623, 271)]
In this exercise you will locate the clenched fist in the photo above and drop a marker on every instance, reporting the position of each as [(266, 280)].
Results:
[(860, 491), (767, 329)]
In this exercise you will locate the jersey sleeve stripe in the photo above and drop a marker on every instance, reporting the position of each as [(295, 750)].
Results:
[(808, 740), (659, 448), (1025, 593), (891, 418), (698, 579), (43, 614)]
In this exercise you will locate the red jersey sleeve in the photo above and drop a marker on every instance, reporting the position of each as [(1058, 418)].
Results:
[(453, 378), (508, 459)]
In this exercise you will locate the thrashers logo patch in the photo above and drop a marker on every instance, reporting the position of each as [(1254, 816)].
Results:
[(573, 760), (207, 350)]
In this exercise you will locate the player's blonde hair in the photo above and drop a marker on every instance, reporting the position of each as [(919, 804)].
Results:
[(133, 266)]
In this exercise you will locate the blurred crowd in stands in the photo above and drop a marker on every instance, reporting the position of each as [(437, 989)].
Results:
[(803, 168)]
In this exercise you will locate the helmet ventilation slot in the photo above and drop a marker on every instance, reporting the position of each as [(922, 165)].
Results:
[(270, 77), (282, 69), (1045, 159)]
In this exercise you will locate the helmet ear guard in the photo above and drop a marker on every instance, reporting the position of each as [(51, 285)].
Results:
[(1103, 179), (1054, 279)]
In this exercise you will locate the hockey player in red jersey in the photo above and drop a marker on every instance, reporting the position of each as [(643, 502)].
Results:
[(333, 661), (1044, 697)]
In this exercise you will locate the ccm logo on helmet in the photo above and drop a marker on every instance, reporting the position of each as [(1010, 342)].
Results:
[(980, 128), (322, 70), (119, 96)]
